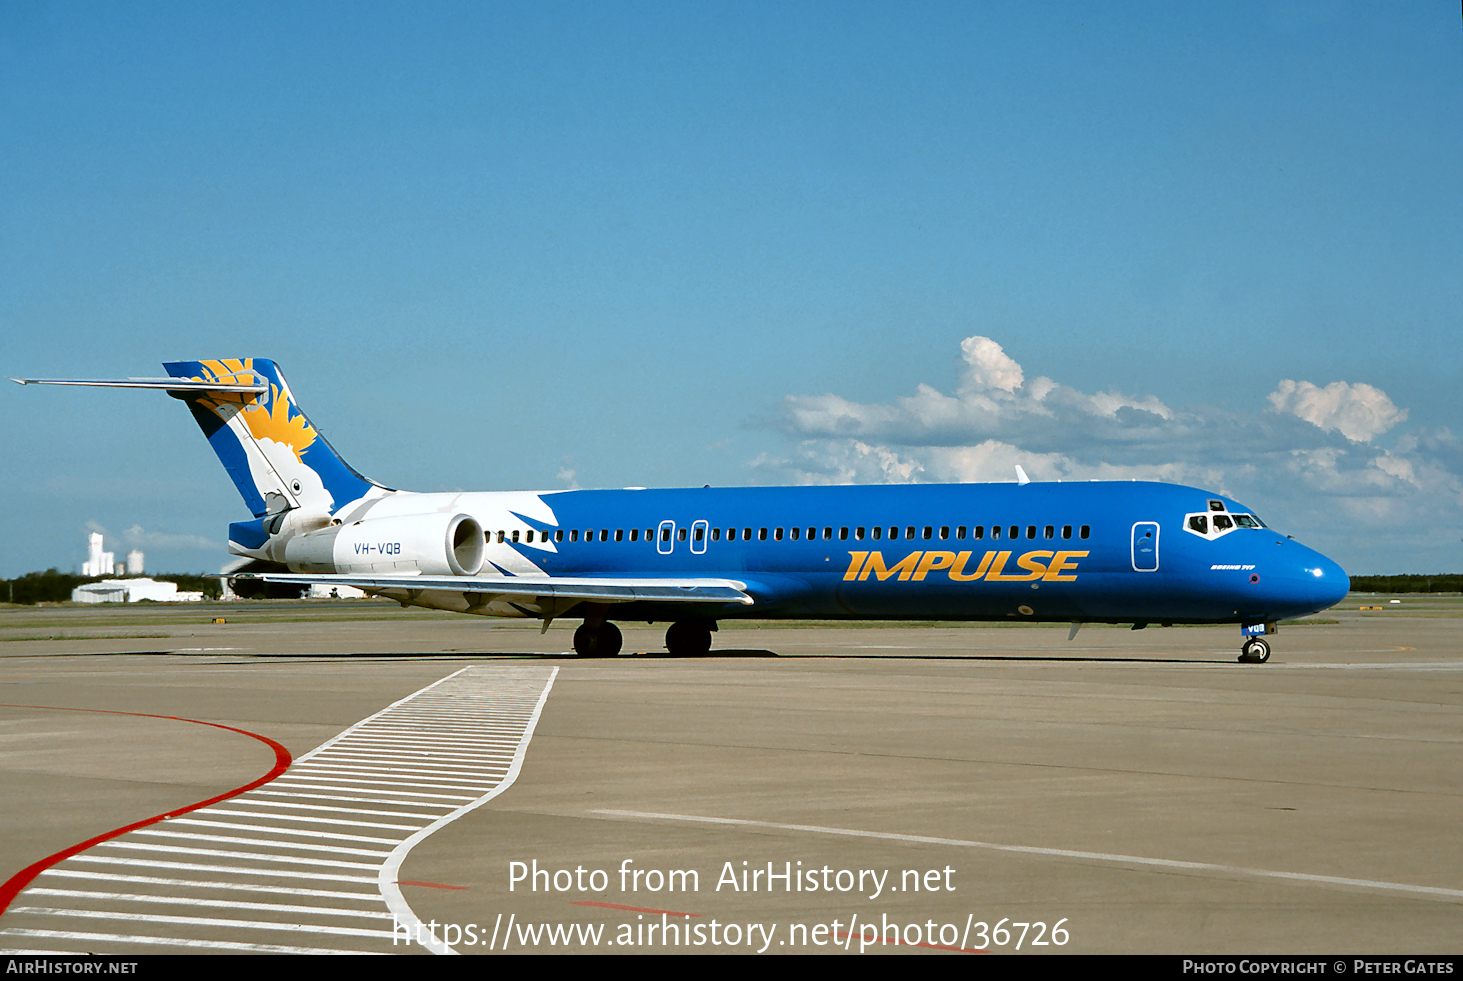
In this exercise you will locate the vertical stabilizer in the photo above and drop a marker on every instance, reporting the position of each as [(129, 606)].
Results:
[(277, 459)]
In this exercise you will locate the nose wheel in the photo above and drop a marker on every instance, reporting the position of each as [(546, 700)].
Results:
[(1255, 651)]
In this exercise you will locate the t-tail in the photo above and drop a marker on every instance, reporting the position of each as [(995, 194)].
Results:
[(292, 480)]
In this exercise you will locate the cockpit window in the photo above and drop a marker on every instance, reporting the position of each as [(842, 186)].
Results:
[(1212, 524)]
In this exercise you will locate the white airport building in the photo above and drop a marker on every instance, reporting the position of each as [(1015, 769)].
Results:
[(132, 590)]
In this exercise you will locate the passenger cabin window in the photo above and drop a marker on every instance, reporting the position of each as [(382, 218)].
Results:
[(1015, 531), (909, 533), (634, 534), (843, 534), (979, 532), (777, 534), (878, 532), (795, 533), (1031, 531), (960, 532), (995, 531), (1066, 531), (619, 534), (716, 534), (1083, 532), (761, 534)]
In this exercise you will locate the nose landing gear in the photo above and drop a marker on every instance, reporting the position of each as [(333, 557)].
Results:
[(1254, 651)]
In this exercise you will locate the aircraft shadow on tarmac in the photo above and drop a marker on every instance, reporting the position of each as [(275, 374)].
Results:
[(714, 654)]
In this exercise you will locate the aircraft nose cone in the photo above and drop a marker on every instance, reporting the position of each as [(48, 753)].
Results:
[(1300, 582), (1327, 583)]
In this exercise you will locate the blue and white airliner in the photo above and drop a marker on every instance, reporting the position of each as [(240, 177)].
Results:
[(1083, 552)]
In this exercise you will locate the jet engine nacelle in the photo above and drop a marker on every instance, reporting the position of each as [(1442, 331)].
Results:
[(431, 544)]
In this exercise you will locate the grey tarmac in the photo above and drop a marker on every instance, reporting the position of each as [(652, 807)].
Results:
[(1140, 786)]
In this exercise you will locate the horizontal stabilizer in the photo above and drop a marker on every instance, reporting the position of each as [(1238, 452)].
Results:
[(257, 387)]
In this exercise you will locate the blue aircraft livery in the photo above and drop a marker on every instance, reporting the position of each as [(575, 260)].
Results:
[(1101, 552)]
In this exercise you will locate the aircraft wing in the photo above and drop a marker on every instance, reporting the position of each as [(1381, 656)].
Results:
[(538, 587)]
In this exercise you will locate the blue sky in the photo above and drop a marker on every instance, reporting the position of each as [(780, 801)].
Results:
[(500, 246)]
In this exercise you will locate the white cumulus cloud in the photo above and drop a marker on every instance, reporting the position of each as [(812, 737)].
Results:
[(1357, 411), (993, 400), (988, 367)]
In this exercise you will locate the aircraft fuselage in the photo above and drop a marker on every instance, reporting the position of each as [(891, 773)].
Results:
[(1087, 551)]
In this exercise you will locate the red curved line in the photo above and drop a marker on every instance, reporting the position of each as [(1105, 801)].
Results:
[(21, 879)]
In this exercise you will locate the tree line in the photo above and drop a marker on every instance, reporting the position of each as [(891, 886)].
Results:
[(1407, 584)]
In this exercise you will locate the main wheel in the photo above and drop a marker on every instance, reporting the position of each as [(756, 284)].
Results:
[(597, 640), (1255, 651), (688, 638)]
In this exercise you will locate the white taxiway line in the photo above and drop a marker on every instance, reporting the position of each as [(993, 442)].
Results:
[(1426, 892)]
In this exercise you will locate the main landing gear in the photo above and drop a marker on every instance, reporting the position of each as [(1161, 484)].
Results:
[(597, 639), (685, 638), (688, 638), (1255, 651)]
